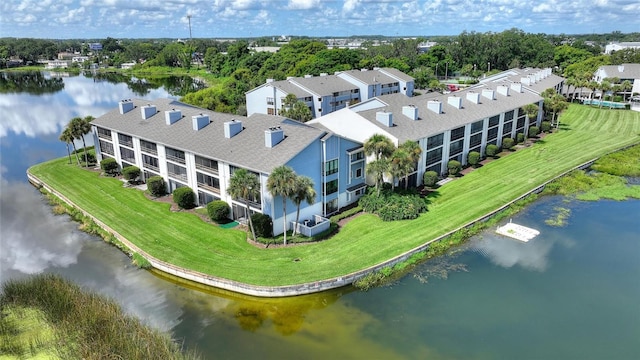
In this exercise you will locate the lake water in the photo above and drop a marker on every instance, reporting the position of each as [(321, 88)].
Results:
[(571, 293)]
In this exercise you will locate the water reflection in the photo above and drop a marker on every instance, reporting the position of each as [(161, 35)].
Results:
[(34, 83)]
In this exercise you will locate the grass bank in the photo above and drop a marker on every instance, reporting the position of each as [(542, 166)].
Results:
[(48, 317), (184, 240)]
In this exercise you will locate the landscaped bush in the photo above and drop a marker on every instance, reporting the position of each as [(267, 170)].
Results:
[(430, 178), (492, 150), (454, 167), (90, 158), (262, 225), (519, 137), (156, 186), (507, 143), (390, 206), (131, 173), (473, 158), (109, 166), (534, 131), (218, 210), (184, 197), (545, 126)]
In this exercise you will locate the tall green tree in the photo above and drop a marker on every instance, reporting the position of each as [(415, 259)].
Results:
[(67, 137), (377, 169), (295, 109), (303, 191), (244, 185), (531, 110), (400, 165), (281, 182), (378, 145), (414, 151), (79, 128)]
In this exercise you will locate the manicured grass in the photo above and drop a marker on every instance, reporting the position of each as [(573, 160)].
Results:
[(186, 241)]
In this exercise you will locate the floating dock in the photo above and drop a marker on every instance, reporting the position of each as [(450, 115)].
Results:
[(517, 232)]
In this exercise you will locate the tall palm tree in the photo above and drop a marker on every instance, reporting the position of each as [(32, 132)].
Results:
[(303, 191), (593, 86), (625, 87), (79, 128), (67, 137), (377, 168), (244, 185), (531, 110), (379, 145), (400, 165), (604, 87), (281, 182), (414, 150), (557, 104)]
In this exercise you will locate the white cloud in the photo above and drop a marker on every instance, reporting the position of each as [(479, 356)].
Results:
[(303, 4)]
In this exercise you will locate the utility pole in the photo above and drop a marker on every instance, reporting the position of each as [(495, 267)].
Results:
[(189, 18)]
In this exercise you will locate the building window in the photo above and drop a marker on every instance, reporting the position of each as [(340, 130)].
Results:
[(435, 141), (357, 156), (208, 182), (270, 101), (477, 126), (203, 163), (520, 123), (492, 134), (148, 147), (358, 173), (150, 162), (106, 147), (331, 187), (271, 111), (331, 206), (177, 171), (508, 116), (175, 155), (125, 140), (457, 133), (434, 156), (104, 133), (494, 120), (475, 140), (456, 147), (506, 129), (331, 167), (127, 154)]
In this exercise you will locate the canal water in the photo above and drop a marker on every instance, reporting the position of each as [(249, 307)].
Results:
[(573, 292)]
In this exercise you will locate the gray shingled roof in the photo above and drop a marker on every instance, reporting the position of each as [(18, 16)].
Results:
[(289, 88), (429, 123), (324, 85), (371, 77), (397, 73), (247, 149), (629, 71)]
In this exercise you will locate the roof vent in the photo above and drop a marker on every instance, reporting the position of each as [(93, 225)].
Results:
[(503, 90), (148, 111), (323, 74), (307, 76), (489, 94), (273, 136), (125, 106), (410, 111), (385, 118), (525, 81), (199, 121), (232, 128), (171, 116), (532, 79), (270, 80), (517, 87), (474, 97), (435, 106), (455, 101)]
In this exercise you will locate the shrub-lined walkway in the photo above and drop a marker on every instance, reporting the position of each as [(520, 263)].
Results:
[(184, 240)]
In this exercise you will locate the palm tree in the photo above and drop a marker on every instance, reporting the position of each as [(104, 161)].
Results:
[(244, 185), (377, 168), (626, 86), (281, 182), (604, 87), (79, 128), (557, 104), (303, 191), (593, 86), (531, 110), (400, 165), (414, 150), (379, 145), (68, 139)]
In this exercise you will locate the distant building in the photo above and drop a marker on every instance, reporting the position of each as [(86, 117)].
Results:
[(629, 72), (128, 65), (613, 47), (326, 93), (57, 64), (79, 59)]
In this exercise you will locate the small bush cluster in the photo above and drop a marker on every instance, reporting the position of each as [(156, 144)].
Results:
[(492, 150), (109, 166), (473, 158), (131, 173), (262, 225), (89, 159), (508, 143), (345, 214), (534, 131), (218, 210), (454, 167), (390, 206), (430, 178), (545, 126), (519, 137), (156, 186), (184, 197)]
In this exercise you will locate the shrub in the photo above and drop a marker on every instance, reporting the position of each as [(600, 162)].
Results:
[(473, 158), (131, 173), (184, 197), (430, 178), (262, 225), (534, 131), (109, 166), (218, 210), (454, 167), (507, 143), (390, 206), (492, 150), (156, 186), (90, 158), (545, 126), (519, 137)]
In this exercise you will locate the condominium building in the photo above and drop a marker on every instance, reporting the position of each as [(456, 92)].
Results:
[(326, 93), (190, 146)]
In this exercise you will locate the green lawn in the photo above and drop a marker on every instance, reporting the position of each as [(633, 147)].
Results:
[(186, 241)]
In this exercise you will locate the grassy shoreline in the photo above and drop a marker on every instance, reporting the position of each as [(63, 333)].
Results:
[(186, 241)]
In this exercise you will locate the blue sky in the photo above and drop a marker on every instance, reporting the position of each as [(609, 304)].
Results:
[(86, 19)]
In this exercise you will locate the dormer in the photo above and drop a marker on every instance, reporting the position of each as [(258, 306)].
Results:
[(385, 118), (455, 101), (503, 90), (273, 136), (474, 97), (489, 94), (125, 106), (232, 128), (410, 111), (171, 116), (435, 106), (199, 121)]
